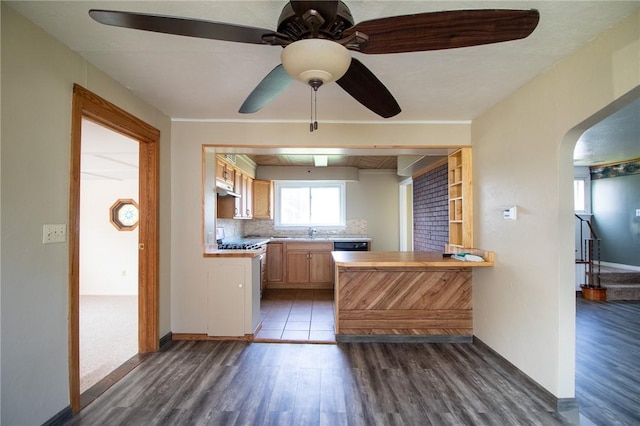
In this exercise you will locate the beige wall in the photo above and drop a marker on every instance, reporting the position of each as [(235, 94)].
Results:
[(524, 307), (189, 268), (38, 74)]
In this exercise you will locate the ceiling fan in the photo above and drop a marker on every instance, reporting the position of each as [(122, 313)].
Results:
[(317, 36)]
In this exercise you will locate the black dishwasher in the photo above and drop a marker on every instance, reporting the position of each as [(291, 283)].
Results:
[(351, 246)]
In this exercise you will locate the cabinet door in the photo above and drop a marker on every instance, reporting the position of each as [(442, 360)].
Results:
[(262, 199), (224, 171), (238, 201), (275, 262), (320, 267), (247, 195), (226, 316), (297, 266)]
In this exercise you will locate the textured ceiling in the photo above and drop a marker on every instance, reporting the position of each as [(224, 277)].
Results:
[(198, 79)]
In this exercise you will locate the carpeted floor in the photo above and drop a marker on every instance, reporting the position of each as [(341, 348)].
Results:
[(108, 335)]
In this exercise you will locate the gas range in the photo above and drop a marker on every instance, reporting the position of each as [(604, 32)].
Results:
[(241, 244)]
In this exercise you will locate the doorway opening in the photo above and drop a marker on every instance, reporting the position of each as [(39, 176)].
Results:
[(88, 107), (108, 252)]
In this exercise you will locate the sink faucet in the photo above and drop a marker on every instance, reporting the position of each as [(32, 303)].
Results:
[(312, 231)]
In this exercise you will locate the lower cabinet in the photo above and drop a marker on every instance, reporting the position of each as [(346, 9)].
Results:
[(300, 265), (233, 297)]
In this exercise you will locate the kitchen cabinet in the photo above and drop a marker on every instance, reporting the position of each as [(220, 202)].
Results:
[(308, 265), (275, 263), (460, 198), (243, 206), (233, 296), (237, 207), (225, 172), (262, 199)]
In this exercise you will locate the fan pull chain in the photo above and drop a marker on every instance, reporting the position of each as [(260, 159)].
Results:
[(315, 84), (313, 124)]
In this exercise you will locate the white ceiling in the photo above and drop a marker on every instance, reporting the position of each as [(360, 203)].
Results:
[(199, 79)]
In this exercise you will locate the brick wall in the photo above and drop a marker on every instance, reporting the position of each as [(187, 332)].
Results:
[(431, 210)]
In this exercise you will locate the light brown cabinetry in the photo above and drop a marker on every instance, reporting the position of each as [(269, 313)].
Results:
[(224, 171), (262, 199), (234, 207), (460, 198), (243, 206), (303, 265), (275, 262)]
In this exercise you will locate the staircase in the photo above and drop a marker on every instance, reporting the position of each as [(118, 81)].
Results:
[(620, 284), (604, 282)]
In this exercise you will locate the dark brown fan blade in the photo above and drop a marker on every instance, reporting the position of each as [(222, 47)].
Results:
[(365, 88), (181, 26), (445, 30), (327, 8), (267, 90)]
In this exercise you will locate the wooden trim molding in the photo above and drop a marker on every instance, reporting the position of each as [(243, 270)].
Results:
[(87, 105)]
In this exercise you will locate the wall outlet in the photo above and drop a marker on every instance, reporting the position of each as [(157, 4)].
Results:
[(54, 233), (637, 212)]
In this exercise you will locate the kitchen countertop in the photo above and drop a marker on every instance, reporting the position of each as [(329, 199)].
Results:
[(412, 259), (214, 252)]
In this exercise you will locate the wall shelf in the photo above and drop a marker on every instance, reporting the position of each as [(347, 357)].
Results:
[(460, 198)]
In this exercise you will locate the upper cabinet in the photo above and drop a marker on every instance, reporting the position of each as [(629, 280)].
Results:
[(242, 182), (460, 198), (262, 199), (225, 171)]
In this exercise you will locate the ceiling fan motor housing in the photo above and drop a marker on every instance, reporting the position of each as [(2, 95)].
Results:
[(296, 28)]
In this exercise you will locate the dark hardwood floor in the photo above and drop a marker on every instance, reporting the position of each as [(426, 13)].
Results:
[(241, 383), (608, 361), (222, 382)]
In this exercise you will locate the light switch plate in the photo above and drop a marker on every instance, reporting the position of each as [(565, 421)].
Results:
[(54, 233)]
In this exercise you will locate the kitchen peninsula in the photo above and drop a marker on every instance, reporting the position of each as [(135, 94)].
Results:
[(404, 296)]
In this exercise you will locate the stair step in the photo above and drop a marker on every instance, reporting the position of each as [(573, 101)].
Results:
[(622, 291), (620, 277)]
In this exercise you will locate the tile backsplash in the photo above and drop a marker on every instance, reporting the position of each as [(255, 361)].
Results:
[(235, 228)]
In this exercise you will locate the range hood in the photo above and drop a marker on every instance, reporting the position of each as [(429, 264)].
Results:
[(225, 190)]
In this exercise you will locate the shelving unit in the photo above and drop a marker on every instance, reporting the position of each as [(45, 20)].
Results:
[(460, 199)]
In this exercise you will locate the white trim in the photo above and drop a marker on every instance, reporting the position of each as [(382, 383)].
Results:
[(279, 121), (405, 214)]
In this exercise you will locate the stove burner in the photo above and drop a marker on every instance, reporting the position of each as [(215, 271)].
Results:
[(238, 246)]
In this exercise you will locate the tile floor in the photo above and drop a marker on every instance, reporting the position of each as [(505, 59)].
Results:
[(297, 315)]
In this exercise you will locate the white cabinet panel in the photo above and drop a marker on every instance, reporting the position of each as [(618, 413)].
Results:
[(227, 286)]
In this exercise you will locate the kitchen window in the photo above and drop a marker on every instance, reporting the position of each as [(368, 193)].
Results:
[(309, 204)]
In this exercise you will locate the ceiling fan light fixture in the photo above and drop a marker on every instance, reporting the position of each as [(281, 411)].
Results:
[(313, 59)]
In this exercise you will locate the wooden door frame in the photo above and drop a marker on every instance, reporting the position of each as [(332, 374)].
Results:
[(87, 105)]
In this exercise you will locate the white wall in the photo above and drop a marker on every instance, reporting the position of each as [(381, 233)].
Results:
[(38, 74), (374, 197), (108, 257), (524, 307)]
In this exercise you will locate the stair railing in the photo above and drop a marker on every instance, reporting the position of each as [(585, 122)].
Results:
[(590, 247)]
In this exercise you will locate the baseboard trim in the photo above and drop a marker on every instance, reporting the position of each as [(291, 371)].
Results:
[(394, 338), (61, 418), (561, 404), (202, 336), (166, 341)]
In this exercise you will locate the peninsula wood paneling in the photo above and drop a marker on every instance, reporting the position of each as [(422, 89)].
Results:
[(418, 301)]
